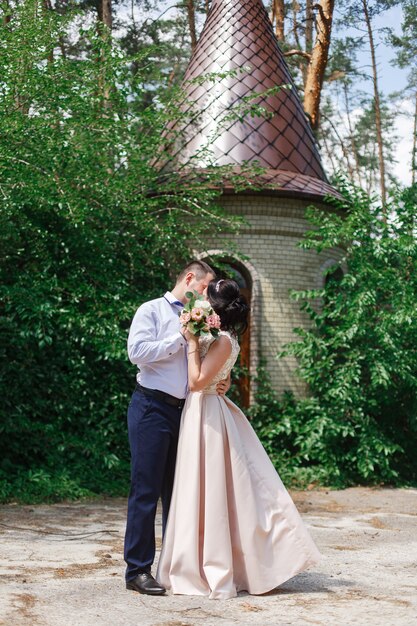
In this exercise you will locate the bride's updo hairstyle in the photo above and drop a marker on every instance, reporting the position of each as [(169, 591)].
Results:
[(229, 304)]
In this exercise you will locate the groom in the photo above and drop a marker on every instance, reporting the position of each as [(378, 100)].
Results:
[(157, 346)]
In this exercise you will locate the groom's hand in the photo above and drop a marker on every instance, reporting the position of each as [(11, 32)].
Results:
[(223, 386)]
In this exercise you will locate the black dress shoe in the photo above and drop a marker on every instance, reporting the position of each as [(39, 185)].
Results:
[(146, 583)]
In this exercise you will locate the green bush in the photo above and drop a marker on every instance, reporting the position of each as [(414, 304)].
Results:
[(359, 357), (88, 231), (284, 426)]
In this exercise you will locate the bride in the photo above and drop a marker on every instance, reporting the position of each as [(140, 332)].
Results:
[(232, 525)]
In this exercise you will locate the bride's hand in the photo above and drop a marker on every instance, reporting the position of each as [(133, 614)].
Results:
[(189, 337)]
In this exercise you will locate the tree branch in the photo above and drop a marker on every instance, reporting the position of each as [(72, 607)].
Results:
[(301, 53)]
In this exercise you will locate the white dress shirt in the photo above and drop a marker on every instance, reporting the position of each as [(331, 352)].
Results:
[(157, 347)]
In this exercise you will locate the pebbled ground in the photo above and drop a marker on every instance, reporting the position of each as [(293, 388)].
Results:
[(62, 565)]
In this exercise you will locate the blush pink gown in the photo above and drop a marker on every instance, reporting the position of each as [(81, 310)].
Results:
[(232, 525)]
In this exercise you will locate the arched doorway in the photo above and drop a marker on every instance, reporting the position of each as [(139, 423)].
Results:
[(227, 267)]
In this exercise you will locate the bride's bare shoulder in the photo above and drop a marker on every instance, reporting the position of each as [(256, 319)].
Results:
[(222, 343)]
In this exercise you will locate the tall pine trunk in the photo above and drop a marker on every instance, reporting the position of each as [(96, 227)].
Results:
[(105, 24), (377, 102), (105, 13), (278, 15), (351, 134), (191, 24), (309, 25), (318, 61)]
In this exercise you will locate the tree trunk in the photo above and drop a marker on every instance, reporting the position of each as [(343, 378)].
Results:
[(104, 13), (309, 25), (318, 62), (345, 151), (105, 23), (414, 149), (191, 23), (295, 9), (207, 6), (295, 27), (48, 7), (377, 106), (278, 15), (351, 135)]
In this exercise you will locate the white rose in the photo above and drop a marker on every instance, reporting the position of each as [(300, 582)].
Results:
[(204, 305)]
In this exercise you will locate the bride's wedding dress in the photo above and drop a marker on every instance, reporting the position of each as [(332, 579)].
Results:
[(232, 525)]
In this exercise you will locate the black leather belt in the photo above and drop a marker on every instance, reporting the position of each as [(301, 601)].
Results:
[(161, 395)]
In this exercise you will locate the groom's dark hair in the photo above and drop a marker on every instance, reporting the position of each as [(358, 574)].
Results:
[(200, 269)]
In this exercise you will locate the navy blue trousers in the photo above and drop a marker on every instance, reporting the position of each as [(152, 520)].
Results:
[(153, 428)]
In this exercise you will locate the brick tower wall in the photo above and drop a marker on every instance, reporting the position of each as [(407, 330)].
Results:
[(275, 226)]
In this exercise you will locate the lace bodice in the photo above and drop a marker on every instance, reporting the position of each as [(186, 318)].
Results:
[(204, 345)]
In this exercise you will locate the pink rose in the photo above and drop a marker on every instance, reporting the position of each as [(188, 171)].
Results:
[(185, 318), (197, 314), (213, 321)]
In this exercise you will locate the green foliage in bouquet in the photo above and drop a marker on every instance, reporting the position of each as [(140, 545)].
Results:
[(359, 357)]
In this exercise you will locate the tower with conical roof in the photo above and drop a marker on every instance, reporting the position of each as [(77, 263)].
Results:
[(238, 45)]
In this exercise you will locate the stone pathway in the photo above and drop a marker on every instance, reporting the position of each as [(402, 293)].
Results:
[(62, 565)]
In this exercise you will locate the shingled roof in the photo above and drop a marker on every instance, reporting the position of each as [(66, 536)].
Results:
[(238, 41)]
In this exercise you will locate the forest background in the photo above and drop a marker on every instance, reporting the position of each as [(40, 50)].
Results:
[(86, 90)]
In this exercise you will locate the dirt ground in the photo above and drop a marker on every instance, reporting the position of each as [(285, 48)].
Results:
[(62, 565)]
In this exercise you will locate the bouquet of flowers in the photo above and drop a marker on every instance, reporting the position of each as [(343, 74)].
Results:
[(198, 316)]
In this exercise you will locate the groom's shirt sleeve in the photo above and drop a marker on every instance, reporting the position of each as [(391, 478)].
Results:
[(145, 345)]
